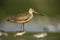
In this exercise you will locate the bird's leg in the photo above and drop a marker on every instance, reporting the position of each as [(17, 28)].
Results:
[(22, 27)]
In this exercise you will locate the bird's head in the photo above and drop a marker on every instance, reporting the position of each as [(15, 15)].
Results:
[(32, 11)]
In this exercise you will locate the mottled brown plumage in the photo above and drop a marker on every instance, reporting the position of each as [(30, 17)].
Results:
[(22, 17)]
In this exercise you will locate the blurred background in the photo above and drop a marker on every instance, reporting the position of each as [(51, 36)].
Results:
[(49, 8)]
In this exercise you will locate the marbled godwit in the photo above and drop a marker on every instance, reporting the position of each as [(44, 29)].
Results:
[(23, 17)]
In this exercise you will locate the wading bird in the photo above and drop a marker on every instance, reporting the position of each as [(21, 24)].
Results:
[(23, 18)]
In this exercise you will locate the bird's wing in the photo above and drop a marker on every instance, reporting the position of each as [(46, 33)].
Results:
[(23, 16)]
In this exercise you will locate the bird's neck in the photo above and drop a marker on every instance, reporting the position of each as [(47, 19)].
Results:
[(30, 12)]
